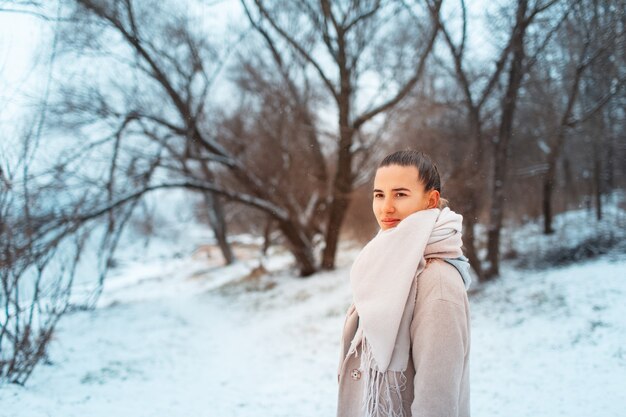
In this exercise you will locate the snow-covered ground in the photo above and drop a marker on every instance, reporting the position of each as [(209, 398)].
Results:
[(181, 337), (551, 343)]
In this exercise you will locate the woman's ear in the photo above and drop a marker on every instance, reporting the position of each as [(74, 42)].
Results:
[(433, 199)]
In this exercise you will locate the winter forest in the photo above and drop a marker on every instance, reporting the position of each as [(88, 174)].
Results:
[(184, 186)]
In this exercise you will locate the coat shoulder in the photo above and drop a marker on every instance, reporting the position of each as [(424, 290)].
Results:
[(440, 281)]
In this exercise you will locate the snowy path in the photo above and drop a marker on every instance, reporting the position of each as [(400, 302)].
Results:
[(543, 344), (206, 354)]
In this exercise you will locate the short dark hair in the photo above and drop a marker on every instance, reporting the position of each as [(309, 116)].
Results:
[(426, 168)]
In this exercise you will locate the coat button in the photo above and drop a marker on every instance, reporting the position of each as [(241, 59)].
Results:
[(356, 374)]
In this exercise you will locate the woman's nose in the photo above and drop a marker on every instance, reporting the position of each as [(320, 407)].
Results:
[(388, 206)]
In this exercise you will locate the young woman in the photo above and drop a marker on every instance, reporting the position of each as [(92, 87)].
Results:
[(406, 339)]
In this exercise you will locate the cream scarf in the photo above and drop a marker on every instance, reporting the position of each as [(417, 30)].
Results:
[(381, 279)]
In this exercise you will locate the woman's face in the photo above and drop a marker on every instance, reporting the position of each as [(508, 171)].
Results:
[(398, 193)]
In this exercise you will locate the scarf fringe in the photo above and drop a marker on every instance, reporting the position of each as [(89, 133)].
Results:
[(382, 390)]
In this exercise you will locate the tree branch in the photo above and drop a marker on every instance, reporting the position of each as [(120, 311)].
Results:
[(402, 93), (297, 47), (263, 205)]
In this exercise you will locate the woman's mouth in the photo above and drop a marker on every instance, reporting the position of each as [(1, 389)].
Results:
[(390, 222)]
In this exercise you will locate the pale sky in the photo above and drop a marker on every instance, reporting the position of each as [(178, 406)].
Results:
[(26, 47), (22, 60)]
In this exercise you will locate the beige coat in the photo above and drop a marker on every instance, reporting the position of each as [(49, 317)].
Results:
[(438, 369)]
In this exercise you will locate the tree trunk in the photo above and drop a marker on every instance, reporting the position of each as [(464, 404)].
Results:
[(502, 145), (343, 181), (342, 187), (469, 241), (267, 231), (548, 183), (597, 177), (547, 206), (300, 246), (474, 190), (215, 213), (468, 190), (496, 211), (465, 201)]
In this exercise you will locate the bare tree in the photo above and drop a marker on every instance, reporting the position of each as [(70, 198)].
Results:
[(37, 266), (589, 40), (475, 98), (193, 149), (334, 39), (487, 96), (275, 119)]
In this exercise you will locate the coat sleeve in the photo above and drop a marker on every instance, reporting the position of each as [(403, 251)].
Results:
[(342, 342), (439, 346), (340, 361)]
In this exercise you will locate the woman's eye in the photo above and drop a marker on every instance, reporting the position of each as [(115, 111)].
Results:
[(400, 194)]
